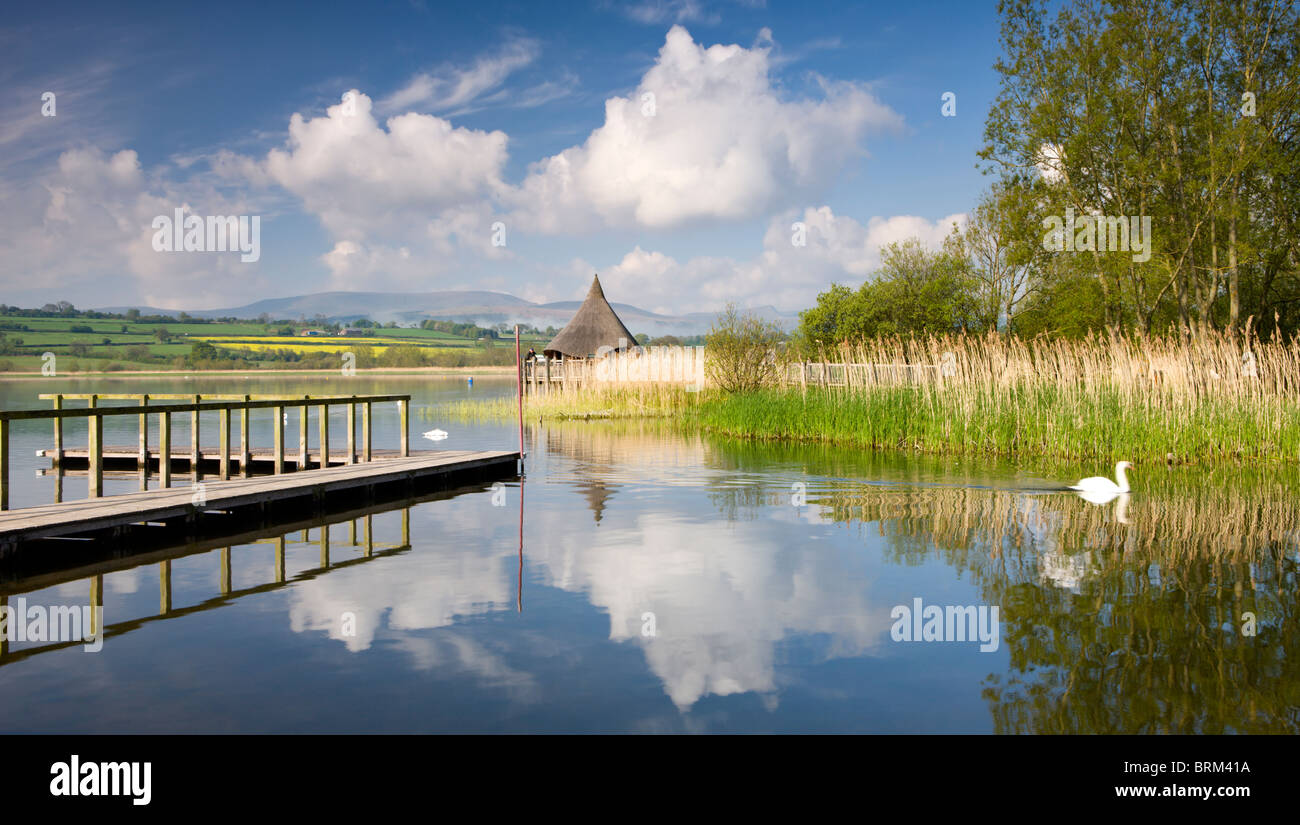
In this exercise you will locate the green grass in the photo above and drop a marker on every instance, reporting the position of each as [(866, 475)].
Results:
[(1040, 422)]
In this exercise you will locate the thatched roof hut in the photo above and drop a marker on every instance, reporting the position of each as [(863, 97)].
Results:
[(594, 325)]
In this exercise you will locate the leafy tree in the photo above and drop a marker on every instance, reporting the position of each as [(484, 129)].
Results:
[(740, 350)]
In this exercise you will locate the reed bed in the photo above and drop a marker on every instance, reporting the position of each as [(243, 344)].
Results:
[(1212, 398)]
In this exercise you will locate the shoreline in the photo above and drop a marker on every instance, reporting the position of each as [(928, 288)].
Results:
[(36, 375)]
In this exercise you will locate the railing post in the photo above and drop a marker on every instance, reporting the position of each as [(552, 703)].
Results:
[(404, 409), (143, 461), (352, 433), (365, 432), (4, 464), (165, 449), (324, 436), (58, 431), (246, 440), (277, 454), (302, 435), (95, 451), (195, 457), (224, 438)]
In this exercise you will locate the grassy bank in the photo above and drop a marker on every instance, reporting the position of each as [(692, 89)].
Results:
[(1211, 399)]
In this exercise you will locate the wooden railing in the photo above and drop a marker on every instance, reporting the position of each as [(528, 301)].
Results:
[(243, 404)]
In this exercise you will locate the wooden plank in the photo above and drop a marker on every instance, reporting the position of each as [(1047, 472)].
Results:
[(205, 406), (157, 505)]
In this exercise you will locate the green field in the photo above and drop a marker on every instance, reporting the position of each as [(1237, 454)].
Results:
[(81, 344)]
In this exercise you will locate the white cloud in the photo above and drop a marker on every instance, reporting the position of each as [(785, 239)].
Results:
[(838, 248), (363, 178), (704, 136), (89, 221)]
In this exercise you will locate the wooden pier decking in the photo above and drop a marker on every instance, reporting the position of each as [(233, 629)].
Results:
[(97, 515)]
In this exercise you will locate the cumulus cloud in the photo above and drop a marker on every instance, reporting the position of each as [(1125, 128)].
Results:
[(92, 222), (836, 248), (706, 135), (361, 177)]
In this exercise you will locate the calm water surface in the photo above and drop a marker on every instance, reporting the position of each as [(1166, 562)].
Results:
[(673, 582)]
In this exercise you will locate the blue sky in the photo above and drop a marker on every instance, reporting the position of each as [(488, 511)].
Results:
[(520, 122)]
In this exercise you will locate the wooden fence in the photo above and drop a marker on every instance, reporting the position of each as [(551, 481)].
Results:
[(640, 365), (243, 404)]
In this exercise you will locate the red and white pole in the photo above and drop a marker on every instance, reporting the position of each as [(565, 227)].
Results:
[(519, 392)]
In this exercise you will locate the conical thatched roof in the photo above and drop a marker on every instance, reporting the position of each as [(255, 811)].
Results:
[(594, 325)]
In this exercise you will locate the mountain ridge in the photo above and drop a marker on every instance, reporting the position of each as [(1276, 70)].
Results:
[(483, 307)]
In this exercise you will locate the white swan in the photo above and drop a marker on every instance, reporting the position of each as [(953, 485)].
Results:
[(1100, 486), (436, 435)]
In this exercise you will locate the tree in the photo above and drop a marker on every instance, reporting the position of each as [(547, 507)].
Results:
[(1181, 113), (740, 350), (914, 291)]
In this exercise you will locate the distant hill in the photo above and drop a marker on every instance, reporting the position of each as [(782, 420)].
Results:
[(476, 306)]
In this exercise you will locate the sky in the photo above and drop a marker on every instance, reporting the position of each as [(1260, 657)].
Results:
[(693, 153)]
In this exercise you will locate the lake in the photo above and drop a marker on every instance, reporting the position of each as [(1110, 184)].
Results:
[(646, 579)]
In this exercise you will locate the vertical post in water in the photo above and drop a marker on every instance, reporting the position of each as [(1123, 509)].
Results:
[(519, 393), (96, 604), (95, 451), (225, 571), (164, 587), (279, 556), (246, 440), (165, 449)]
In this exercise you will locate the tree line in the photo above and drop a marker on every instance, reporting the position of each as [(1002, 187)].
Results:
[(1145, 159)]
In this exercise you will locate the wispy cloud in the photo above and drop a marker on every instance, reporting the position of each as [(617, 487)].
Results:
[(451, 87)]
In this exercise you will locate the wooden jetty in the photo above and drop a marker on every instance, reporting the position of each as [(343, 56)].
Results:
[(339, 476)]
